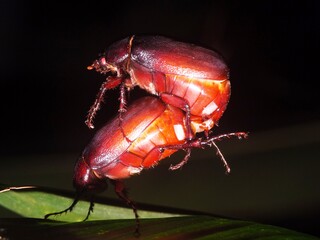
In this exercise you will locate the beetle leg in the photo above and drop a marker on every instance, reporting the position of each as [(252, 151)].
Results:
[(211, 142), (69, 209), (183, 162), (200, 143), (122, 108), (110, 83), (123, 101), (182, 104), (90, 210), (122, 194)]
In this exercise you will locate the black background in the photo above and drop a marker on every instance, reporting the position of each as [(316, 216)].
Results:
[(45, 46)]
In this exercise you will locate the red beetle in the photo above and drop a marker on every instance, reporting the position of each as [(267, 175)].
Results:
[(150, 131), (183, 75)]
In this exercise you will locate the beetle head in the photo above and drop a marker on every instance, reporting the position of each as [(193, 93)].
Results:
[(114, 59), (85, 179), (102, 66)]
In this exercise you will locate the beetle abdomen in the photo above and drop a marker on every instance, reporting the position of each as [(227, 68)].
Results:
[(168, 129), (206, 97)]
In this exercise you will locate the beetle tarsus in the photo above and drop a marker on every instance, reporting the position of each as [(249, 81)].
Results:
[(89, 124), (69, 209)]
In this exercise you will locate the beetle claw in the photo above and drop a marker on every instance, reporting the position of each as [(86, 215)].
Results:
[(89, 124)]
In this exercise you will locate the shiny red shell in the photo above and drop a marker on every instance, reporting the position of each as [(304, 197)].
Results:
[(180, 73), (118, 151)]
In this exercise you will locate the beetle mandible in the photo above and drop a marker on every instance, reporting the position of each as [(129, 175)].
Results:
[(150, 131), (183, 75)]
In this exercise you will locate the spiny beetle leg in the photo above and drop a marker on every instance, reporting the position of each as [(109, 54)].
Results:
[(239, 135), (110, 83), (200, 143), (210, 141), (183, 162), (69, 209), (90, 210), (123, 101), (121, 192), (122, 109)]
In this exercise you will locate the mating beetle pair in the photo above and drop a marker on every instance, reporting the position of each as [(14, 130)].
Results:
[(183, 75), (192, 88)]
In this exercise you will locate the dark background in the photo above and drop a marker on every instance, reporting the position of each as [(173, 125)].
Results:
[(270, 47)]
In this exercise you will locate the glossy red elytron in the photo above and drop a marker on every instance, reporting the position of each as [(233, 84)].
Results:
[(183, 75), (149, 132)]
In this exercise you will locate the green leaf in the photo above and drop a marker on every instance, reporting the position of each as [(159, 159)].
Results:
[(188, 227), (34, 202), (118, 222)]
